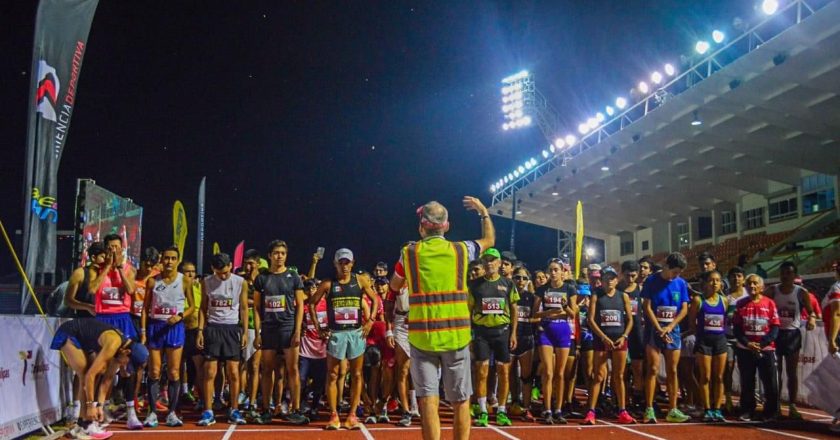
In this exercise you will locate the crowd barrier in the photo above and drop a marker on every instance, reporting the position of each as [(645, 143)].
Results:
[(35, 385)]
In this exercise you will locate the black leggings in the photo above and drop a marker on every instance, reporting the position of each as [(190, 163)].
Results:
[(765, 363)]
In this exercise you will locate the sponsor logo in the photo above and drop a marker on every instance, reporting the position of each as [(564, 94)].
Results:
[(43, 206), (48, 92), (25, 356), (46, 95), (4, 374), (29, 424)]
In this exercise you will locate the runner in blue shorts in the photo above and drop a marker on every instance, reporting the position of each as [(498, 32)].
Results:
[(665, 296)]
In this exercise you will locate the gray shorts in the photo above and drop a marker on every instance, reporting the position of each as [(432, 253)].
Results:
[(427, 367), (401, 333)]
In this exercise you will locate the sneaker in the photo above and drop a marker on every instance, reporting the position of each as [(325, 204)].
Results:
[(151, 421), (590, 417), (284, 408), (132, 422), (264, 418), (253, 414), (344, 406), (405, 420), (296, 418), (188, 397), (650, 416), (392, 406), (107, 417), (78, 433), (624, 418), (548, 419), (383, 418), (207, 419), (173, 421), (235, 417), (747, 417), (334, 424), (482, 420), (708, 416), (415, 413), (360, 411), (719, 416), (793, 413), (242, 398), (516, 409), (475, 410), (535, 394), (160, 407), (371, 419), (558, 417), (313, 413), (502, 419), (528, 417), (676, 416), (95, 432), (352, 422)]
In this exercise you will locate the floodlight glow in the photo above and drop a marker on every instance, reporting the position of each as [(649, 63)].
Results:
[(510, 176), (592, 123), (702, 47), (551, 148), (718, 36), (656, 77), (583, 128), (493, 188), (570, 139), (526, 120), (644, 88), (528, 165), (610, 111), (620, 103), (600, 117), (521, 169), (559, 143), (515, 173), (590, 252), (545, 154), (533, 162), (669, 69), (769, 7), (505, 126), (555, 193)]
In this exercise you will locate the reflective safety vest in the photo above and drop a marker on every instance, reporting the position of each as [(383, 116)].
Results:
[(436, 276)]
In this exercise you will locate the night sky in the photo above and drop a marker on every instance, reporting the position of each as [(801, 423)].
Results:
[(328, 123)]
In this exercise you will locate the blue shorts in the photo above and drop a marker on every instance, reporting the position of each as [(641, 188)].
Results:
[(654, 340), (161, 335), (346, 344), (60, 338), (557, 334), (121, 322)]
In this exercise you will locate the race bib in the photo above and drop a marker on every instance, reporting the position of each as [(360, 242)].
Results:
[(554, 300), (112, 296), (755, 326), (137, 307), (492, 306), (221, 303), (347, 315), (275, 304), (164, 311), (713, 323), (610, 318), (523, 314), (666, 313), (786, 317), (322, 321), (634, 307)]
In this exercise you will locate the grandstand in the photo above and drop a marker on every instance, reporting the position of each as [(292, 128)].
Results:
[(742, 158)]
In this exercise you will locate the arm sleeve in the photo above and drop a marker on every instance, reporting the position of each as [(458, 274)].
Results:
[(770, 337), (399, 270), (740, 336)]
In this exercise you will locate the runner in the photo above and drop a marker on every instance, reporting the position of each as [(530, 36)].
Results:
[(162, 328), (610, 319), (313, 352), (280, 300), (756, 327), (396, 311), (222, 333), (249, 370), (790, 299), (79, 296), (556, 303), (540, 279), (111, 350), (192, 356), (493, 300), (523, 354), (379, 360), (737, 293), (476, 270), (665, 303), (630, 271), (346, 333), (435, 272), (645, 269), (707, 320), (131, 385)]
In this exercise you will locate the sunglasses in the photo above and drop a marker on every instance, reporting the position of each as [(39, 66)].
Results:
[(521, 278)]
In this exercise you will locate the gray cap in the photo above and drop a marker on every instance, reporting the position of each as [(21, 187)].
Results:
[(343, 254)]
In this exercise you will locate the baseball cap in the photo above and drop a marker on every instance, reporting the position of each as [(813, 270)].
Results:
[(595, 270), (491, 252), (139, 354), (343, 254), (382, 264), (608, 272)]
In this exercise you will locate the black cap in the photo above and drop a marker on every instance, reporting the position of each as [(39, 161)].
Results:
[(219, 261), (508, 256), (382, 264)]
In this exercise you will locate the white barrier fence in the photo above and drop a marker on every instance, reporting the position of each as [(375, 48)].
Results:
[(34, 382)]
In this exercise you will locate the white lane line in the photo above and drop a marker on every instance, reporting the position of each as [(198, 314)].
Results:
[(787, 434), (634, 431), (229, 432), (503, 433), (366, 433)]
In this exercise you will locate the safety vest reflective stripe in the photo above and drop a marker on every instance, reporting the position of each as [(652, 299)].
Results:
[(438, 325), (436, 298), (412, 273)]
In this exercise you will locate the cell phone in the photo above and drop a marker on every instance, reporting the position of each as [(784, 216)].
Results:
[(320, 252)]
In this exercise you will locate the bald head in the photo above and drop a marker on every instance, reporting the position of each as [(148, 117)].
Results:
[(434, 219)]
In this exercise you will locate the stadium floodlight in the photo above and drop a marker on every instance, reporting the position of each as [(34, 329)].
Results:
[(669, 69), (551, 148), (505, 126), (600, 117), (526, 120), (590, 252), (644, 88), (510, 176), (570, 139), (592, 123), (583, 128), (505, 179), (620, 103), (718, 36), (493, 188), (545, 154), (702, 47), (769, 7), (559, 143), (528, 165), (610, 111), (515, 77), (533, 162), (521, 169), (515, 173), (656, 77)]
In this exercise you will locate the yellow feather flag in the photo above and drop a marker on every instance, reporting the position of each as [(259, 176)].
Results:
[(578, 238), (179, 226), (216, 248)]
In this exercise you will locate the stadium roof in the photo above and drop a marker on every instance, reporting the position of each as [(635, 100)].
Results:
[(769, 115)]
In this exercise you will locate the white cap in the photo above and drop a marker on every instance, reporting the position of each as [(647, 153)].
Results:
[(343, 253)]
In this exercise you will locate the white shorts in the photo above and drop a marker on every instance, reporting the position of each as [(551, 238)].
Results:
[(401, 333)]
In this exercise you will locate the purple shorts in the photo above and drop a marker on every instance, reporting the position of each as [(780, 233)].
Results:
[(557, 334)]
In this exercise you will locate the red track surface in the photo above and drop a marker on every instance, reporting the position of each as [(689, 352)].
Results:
[(814, 427)]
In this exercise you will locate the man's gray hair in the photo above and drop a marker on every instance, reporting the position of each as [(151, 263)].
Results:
[(434, 216)]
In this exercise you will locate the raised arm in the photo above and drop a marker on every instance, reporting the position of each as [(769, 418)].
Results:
[(488, 232)]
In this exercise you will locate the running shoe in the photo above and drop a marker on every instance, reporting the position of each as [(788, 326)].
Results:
[(393, 406), (528, 417), (709, 416), (160, 407), (344, 406), (793, 412), (188, 397), (624, 418), (207, 418), (558, 417), (650, 416), (132, 422), (253, 414), (334, 424), (405, 420), (516, 409), (173, 421), (352, 422), (151, 421), (371, 419), (264, 418), (242, 398), (296, 418), (590, 417), (535, 394), (719, 416), (676, 416), (383, 418), (78, 433), (475, 409), (548, 419), (748, 417), (482, 420), (95, 432), (235, 417), (502, 419)]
